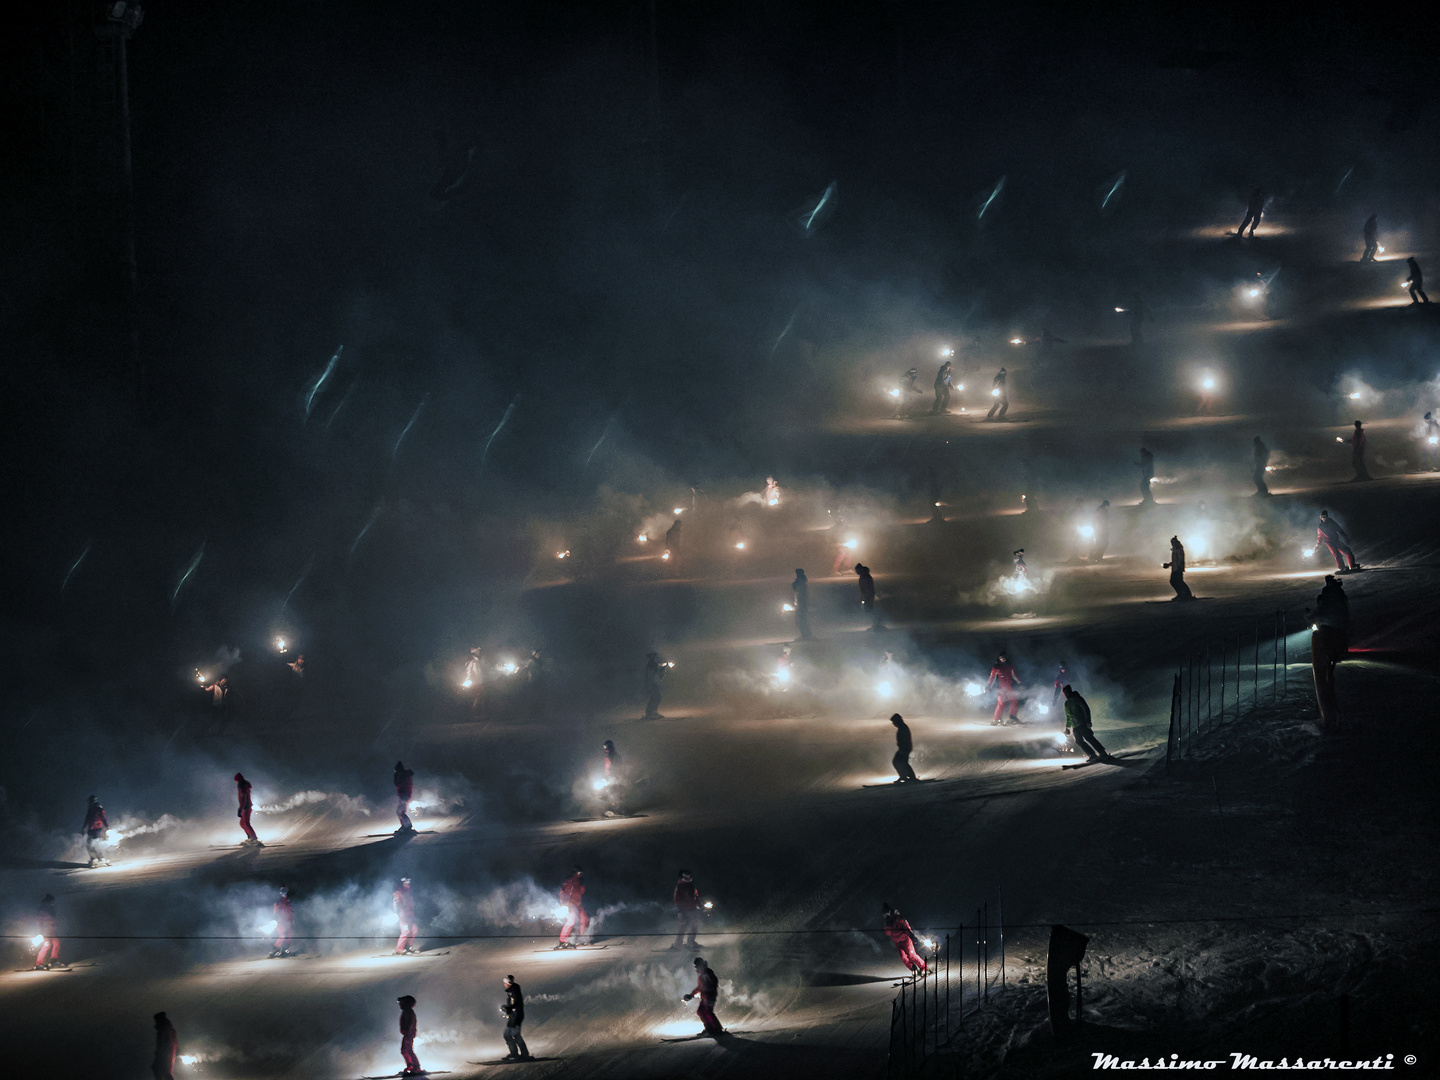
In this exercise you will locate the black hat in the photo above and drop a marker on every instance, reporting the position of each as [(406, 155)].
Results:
[(406, 1000)]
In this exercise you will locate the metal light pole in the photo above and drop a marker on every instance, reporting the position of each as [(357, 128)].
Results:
[(121, 21)]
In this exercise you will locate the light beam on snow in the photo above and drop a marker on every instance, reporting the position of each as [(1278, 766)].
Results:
[(329, 368), (824, 199), (1119, 183), (73, 567), (303, 575), (509, 410), (999, 187), (186, 576), (599, 441), (413, 417), (374, 516), (343, 400)]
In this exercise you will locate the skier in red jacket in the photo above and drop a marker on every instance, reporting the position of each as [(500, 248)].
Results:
[(242, 791), (1329, 533), (707, 989), (404, 903), (48, 955), (898, 930), (284, 924), (167, 1042), (94, 830), (404, 792), (408, 1028), (1005, 680), (571, 895), (687, 910)]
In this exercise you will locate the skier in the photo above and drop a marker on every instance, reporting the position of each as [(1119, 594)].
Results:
[(942, 390), (1330, 533), (403, 901), (612, 790), (408, 1027), (1253, 211), (1102, 531), (1260, 457), (284, 924), (1017, 558), (298, 666), (1077, 725), (474, 680), (867, 594), (1357, 453), (242, 791), (1139, 315), (94, 829), (687, 910), (404, 780), (1001, 393), (572, 896), (1006, 681), (1146, 465), (801, 588), (1329, 643), (1176, 566), (167, 1044), (672, 542), (48, 954), (772, 492), (655, 669), (898, 930), (906, 388), (514, 1012), (904, 747), (1432, 439), (1061, 677), (1416, 284), (1372, 242), (707, 989)]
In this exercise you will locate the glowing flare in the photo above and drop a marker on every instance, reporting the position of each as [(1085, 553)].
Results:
[(852, 544), (787, 607), (1339, 439), (189, 1059), (1254, 292), (740, 546), (1017, 341), (562, 554), (894, 392), (1309, 553), (679, 510), (884, 689), (709, 905), (995, 392), (783, 674), (947, 351), (561, 911), (773, 502), (1044, 709), (1119, 311), (927, 942), (642, 538), (600, 783), (1355, 396), (1060, 738), (1381, 250), (665, 556), (509, 667), (269, 927), (1086, 531), (466, 684), (38, 940), (1208, 384), (1433, 439), (973, 689), (280, 644), (960, 386), (391, 919)]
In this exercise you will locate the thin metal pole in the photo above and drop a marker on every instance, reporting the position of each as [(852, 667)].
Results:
[(1284, 656), (1222, 679), (1209, 691), (1275, 662), (979, 985), (1239, 654), (1255, 695), (985, 907), (1000, 918)]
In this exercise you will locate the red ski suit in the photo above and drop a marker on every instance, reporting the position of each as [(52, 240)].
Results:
[(707, 989), (571, 894), (1005, 681), (284, 923), (408, 1026), (49, 951), (95, 821), (1329, 533), (898, 931), (404, 903), (242, 791)]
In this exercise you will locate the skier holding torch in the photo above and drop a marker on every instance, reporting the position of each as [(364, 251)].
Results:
[(898, 930)]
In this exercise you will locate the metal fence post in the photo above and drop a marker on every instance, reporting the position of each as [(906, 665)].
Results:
[(1222, 678), (1209, 691), (1275, 662), (985, 909), (1284, 656), (1255, 690), (1000, 919)]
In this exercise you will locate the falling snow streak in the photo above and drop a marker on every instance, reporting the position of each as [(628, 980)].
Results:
[(1114, 190), (186, 576), (343, 400), (310, 562), (999, 187), (811, 219), (413, 417), (73, 567), (788, 326), (598, 441), (509, 411), (329, 369), (374, 517), (1343, 179)]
